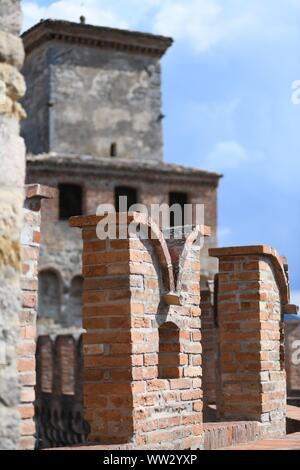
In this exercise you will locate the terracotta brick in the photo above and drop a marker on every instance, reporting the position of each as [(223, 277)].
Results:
[(26, 411), (29, 299), (36, 237), (27, 427), (26, 364), (27, 395)]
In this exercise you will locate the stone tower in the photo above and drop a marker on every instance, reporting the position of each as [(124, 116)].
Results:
[(93, 91)]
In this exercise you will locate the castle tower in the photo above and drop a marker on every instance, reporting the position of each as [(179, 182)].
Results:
[(94, 132), (93, 91)]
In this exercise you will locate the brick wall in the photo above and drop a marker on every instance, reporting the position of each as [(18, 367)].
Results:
[(252, 294), (30, 240), (142, 350)]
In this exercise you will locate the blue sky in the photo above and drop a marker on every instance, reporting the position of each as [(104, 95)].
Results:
[(227, 85)]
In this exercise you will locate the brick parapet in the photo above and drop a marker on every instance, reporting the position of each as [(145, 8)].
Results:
[(30, 246), (252, 291), (127, 400)]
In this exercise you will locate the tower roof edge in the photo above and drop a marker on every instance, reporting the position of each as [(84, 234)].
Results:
[(95, 36)]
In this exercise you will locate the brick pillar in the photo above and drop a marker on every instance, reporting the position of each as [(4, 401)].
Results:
[(30, 240), (252, 294), (142, 351)]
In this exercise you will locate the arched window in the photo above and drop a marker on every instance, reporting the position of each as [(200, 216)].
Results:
[(169, 351), (122, 192), (73, 314), (49, 294)]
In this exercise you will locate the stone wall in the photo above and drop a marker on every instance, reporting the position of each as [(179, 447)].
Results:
[(119, 91), (142, 350), (12, 164)]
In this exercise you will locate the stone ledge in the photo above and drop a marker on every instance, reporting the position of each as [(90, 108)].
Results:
[(100, 166), (244, 250), (291, 309), (40, 191), (95, 36)]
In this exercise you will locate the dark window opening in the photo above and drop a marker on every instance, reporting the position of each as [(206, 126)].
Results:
[(169, 351), (113, 150), (181, 199), (70, 200), (125, 198), (49, 294)]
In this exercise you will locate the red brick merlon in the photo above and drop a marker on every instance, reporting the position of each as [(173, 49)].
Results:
[(277, 261), (252, 293), (172, 286), (142, 343)]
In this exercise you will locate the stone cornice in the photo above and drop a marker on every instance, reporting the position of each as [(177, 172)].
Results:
[(95, 36), (153, 171)]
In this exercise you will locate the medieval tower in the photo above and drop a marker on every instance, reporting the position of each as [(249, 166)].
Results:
[(94, 132)]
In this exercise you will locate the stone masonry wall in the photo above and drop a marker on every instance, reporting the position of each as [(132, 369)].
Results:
[(142, 351), (119, 92), (30, 240), (12, 164), (61, 246), (252, 294)]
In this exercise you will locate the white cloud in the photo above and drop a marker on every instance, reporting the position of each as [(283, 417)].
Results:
[(204, 23), (227, 155), (209, 23), (230, 154), (71, 10), (201, 24)]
